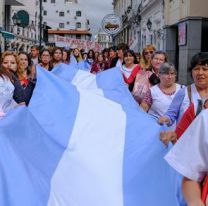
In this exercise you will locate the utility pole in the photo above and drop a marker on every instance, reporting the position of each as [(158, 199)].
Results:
[(41, 19)]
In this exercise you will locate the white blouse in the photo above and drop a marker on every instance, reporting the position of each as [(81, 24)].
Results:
[(6, 96), (160, 101), (189, 156)]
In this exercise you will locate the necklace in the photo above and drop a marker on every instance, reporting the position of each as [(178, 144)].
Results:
[(169, 93)]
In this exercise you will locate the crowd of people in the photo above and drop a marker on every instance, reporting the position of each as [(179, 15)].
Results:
[(150, 78)]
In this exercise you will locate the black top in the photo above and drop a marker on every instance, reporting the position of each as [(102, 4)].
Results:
[(22, 94)]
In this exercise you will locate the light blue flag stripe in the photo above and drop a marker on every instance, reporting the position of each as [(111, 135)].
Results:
[(28, 160), (114, 87), (54, 104), (66, 72)]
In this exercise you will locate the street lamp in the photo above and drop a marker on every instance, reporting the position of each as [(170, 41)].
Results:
[(16, 19), (149, 24), (40, 25), (137, 19), (17, 22)]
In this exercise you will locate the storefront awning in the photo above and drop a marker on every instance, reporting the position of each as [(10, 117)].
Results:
[(13, 3), (7, 35)]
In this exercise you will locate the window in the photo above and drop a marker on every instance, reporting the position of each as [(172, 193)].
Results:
[(78, 25), (78, 13), (44, 12), (78, 36), (61, 13), (67, 22), (53, 1), (61, 25)]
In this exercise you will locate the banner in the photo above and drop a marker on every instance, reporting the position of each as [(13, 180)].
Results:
[(77, 43)]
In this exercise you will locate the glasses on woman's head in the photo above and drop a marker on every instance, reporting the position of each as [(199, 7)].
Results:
[(148, 52)]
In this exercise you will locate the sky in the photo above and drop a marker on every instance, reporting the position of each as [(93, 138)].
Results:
[(95, 11)]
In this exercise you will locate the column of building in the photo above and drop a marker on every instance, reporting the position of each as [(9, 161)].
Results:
[(186, 33)]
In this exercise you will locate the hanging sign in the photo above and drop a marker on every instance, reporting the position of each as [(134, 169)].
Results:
[(111, 24)]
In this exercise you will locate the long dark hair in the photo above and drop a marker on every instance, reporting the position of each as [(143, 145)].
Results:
[(4, 73), (131, 52)]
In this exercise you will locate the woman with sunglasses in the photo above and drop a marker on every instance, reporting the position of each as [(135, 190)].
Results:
[(148, 78), (147, 52)]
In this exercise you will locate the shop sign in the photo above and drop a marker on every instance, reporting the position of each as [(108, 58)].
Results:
[(111, 24), (182, 33)]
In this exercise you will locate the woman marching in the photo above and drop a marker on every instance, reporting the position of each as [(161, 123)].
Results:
[(130, 68), (159, 97)]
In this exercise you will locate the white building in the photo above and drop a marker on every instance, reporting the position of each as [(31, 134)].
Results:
[(143, 23), (135, 21), (122, 8), (104, 39), (130, 33), (152, 23), (6, 35), (65, 18), (25, 27)]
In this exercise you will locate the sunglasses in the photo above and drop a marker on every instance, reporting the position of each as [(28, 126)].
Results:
[(148, 52)]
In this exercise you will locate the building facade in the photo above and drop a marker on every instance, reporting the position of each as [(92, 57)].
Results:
[(186, 28), (18, 24), (123, 9), (143, 23), (5, 22), (104, 39), (25, 25), (65, 18), (152, 23)]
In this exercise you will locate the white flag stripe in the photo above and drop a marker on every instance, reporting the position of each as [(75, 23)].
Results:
[(95, 174)]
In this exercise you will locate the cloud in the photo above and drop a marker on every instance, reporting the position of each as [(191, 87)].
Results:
[(95, 11)]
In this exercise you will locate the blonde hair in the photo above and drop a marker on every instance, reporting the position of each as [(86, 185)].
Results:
[(8, 53), (79, 58), (144, 63)]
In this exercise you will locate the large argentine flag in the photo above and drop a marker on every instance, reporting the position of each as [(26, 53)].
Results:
[(75, 147)]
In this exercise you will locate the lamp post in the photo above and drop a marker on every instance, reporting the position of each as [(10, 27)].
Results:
[(40, 25), (17, 22), (16, 19), (149, 24)]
